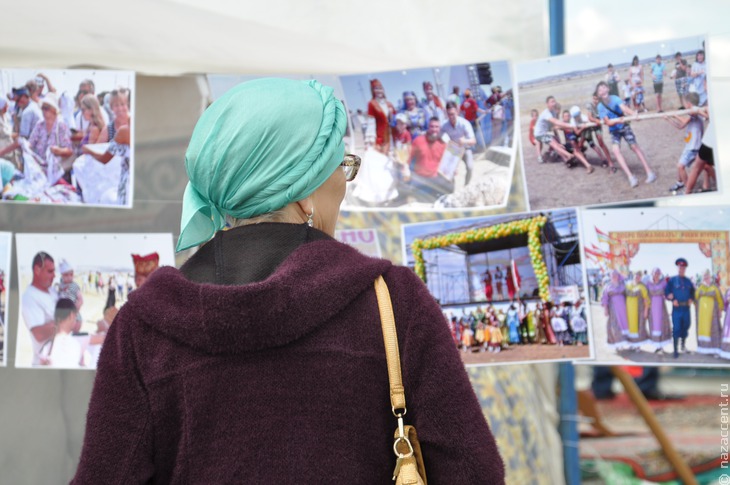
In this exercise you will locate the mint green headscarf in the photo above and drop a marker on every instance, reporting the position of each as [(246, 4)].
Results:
[(262, 145)]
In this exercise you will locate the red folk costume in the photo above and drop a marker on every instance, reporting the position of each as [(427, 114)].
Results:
[(144, 266), (510, 284), (382, 119), (488, 289)]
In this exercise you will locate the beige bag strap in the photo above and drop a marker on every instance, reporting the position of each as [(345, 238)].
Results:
[(409, 467), (390, 338)]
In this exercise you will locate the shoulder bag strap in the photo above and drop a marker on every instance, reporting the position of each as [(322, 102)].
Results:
[(409, 467), (390, 338)]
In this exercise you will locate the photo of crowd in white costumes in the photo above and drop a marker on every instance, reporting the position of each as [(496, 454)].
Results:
[(66, 137)]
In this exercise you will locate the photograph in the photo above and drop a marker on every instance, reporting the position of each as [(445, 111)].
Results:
[(659, 284), (432, 138), (511, 287), (627, 124), (71, 287), (66, 137), (6, 241)]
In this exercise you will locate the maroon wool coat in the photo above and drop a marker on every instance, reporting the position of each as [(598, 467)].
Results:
[(261, 361)]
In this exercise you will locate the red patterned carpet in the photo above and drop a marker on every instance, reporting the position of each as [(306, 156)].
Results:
[(692, 424)]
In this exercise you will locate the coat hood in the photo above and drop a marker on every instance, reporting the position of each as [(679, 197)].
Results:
[(313, 282)]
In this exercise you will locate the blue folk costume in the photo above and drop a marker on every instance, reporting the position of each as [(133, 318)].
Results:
[(681, 290), (417, 120)]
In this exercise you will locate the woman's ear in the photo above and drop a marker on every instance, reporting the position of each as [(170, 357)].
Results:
[(306, 205)]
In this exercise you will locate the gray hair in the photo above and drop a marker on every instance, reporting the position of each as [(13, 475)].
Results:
[(273, 216)]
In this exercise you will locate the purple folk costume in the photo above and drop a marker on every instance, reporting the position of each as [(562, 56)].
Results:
[(660, 326), (725, 341), (614, 300)]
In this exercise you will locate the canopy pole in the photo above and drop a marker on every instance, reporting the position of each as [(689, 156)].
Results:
[(557, 27), (568, 402)]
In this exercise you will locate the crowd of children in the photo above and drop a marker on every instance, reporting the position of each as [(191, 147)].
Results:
[(492, 329)]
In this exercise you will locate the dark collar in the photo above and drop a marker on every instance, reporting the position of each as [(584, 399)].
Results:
[(248, 253)]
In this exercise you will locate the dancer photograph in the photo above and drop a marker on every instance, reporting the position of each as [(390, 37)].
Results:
[(664, 301)]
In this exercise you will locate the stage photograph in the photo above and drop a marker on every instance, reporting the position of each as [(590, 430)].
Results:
[(511, 287)]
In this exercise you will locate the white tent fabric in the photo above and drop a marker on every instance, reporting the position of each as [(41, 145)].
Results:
[(170, 37)]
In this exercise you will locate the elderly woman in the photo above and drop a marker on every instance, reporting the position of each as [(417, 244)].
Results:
[(120, 131), (660, 326), (51, 134), (261, 360), (709, 302), (613, 301)]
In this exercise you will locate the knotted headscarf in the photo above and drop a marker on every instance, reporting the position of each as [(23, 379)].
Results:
[(262, 145)]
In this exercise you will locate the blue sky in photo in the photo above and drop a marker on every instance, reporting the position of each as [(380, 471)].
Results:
[(534, 70), (660, 256), (357, 87), (452, 265)]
